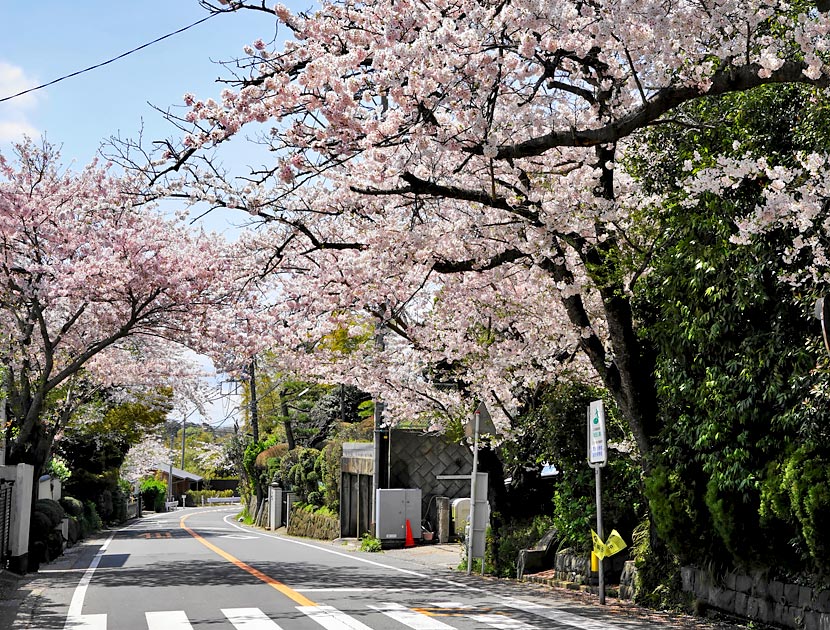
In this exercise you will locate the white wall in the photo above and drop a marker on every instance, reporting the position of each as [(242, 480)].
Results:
[(22, 475)]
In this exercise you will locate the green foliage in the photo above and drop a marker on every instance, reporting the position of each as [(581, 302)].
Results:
[(799, 487), (735, 348), (58, 468), (658, 583), (153, 494), (45, 540), (197, 497), (575, 509), (370, 544), (513, 537), (72, 506), (92, 522), (300, 468), (52, 509)]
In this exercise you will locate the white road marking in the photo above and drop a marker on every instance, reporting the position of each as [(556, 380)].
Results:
[(502, 623), (167, 620), (249, 619), (86, 622), (410, 618), (73, 617), (331, 618), (562, 617)]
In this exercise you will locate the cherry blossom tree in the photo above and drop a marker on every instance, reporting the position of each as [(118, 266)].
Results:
[(98, 290), (455, 171)]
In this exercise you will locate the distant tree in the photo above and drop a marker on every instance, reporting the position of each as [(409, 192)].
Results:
[(94, 288)]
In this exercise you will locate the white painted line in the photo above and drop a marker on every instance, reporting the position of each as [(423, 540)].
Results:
[(77, 603), (249, 619), (167, 620), (448, 605), (86, 622), (331, 618), (502, 623), (522, 604), (566, 618), (410, 618), (335, 589)]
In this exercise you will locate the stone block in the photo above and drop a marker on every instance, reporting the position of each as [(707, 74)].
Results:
[(743, 584), (805, 597), (822, 601), (730, 581), (758, 609), (740, 603), (811, 620), (760, 584), (723, 598), (776, 591), (687, 576), (791, 594), (788, 616)]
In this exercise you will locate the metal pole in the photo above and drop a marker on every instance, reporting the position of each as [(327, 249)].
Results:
[(170, 473), (473, 476), (184, 419), (598, 471), (254, 416)]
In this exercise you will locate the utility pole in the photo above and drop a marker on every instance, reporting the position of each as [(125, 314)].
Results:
[(254, 417)]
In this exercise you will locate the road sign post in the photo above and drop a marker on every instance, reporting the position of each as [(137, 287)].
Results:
[(597, 458)]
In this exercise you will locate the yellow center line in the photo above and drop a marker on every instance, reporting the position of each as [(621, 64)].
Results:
[(301, 600)]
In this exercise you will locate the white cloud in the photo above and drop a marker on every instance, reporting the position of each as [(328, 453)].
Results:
[(14, 122)]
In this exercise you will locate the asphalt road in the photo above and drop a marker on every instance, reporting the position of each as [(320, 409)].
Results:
[(197, 569)]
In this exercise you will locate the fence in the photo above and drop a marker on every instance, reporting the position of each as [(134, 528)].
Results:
[(5, 520)]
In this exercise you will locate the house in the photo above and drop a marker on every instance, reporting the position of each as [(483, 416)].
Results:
[(182, 480)]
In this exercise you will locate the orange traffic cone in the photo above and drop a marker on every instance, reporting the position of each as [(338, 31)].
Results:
[(410, 541)]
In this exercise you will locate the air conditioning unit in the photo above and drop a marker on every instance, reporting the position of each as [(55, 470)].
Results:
[(460, 514), (395, 507)]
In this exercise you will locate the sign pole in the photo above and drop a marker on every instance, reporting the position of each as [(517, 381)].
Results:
[(601, 583), (597, 458), (473, 484)]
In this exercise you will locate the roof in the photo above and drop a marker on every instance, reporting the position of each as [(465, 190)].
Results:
[(178, 472)]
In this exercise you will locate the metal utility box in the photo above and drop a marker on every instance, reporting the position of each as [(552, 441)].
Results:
[(395, 506)]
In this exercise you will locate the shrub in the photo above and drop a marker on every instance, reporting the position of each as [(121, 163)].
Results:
[(52, 509), (153, 493), (45, 541), (370, 543), (119, 506), (194, 498), (92, 522), (513, 537), (72, 506), (74, 534)]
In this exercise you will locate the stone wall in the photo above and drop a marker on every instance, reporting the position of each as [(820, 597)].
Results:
[(310, 525), (418, 458), (760, 599), (572, 570)]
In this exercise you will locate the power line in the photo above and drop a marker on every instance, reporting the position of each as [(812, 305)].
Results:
[(108, 61)]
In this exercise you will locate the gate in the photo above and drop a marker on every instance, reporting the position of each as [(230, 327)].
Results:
[(5, 520)]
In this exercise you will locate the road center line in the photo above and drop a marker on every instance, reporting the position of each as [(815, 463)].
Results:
[(300, 599)]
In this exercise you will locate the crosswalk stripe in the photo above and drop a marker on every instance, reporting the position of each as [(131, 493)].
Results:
[(565, 618), (167, 620), (331, 618), (249, 619), (502, 623), (410, 618), (86, 622)]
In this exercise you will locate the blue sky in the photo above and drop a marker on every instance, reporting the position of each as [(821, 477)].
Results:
[(44, 40)]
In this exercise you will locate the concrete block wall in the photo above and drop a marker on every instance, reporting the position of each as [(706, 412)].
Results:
[(756, 597)]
